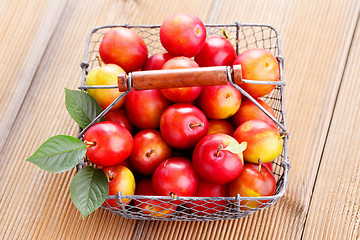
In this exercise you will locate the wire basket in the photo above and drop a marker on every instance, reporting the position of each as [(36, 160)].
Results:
[(170, 208)]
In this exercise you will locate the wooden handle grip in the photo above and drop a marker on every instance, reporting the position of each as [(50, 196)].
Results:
[(183, 77)]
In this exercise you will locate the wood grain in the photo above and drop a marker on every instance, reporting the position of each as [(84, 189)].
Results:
[(313, 75), (335, 211), (26, 32), (42, 46), (171, 78), (35, 204)]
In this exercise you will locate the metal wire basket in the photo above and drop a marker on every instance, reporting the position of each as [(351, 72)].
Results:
[(242, 36)]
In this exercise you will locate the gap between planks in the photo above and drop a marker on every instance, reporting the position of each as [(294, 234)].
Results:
[(40, 43), (331, 120)]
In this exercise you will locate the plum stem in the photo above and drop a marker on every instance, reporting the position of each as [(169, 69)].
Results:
[(283, 135), (99, 61), (225, 34), (220, 147), (148, 154), (88, 143), (172, 195), (110, 176), (259, 169), (193, 125)]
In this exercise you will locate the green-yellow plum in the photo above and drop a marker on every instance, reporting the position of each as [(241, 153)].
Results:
[(254, 181), (105, 75), (120, 179), (263, 140)]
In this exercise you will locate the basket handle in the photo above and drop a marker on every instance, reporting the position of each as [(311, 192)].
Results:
[(182, 77)]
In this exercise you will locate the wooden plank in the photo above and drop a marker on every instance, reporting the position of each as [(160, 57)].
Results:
[(23, 30), (313, 75), (334, 211), (35, 204)]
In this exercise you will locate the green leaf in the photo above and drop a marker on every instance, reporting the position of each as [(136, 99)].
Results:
[(82, 107), (89, 189), (59, 154), (235, 147)]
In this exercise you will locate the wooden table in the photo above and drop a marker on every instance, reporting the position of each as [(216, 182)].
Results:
[(41, 48)]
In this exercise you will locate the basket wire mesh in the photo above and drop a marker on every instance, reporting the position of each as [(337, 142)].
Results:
[(243, 37)]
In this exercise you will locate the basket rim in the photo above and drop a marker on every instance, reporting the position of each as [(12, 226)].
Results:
[(285, 163), (236, 24)]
